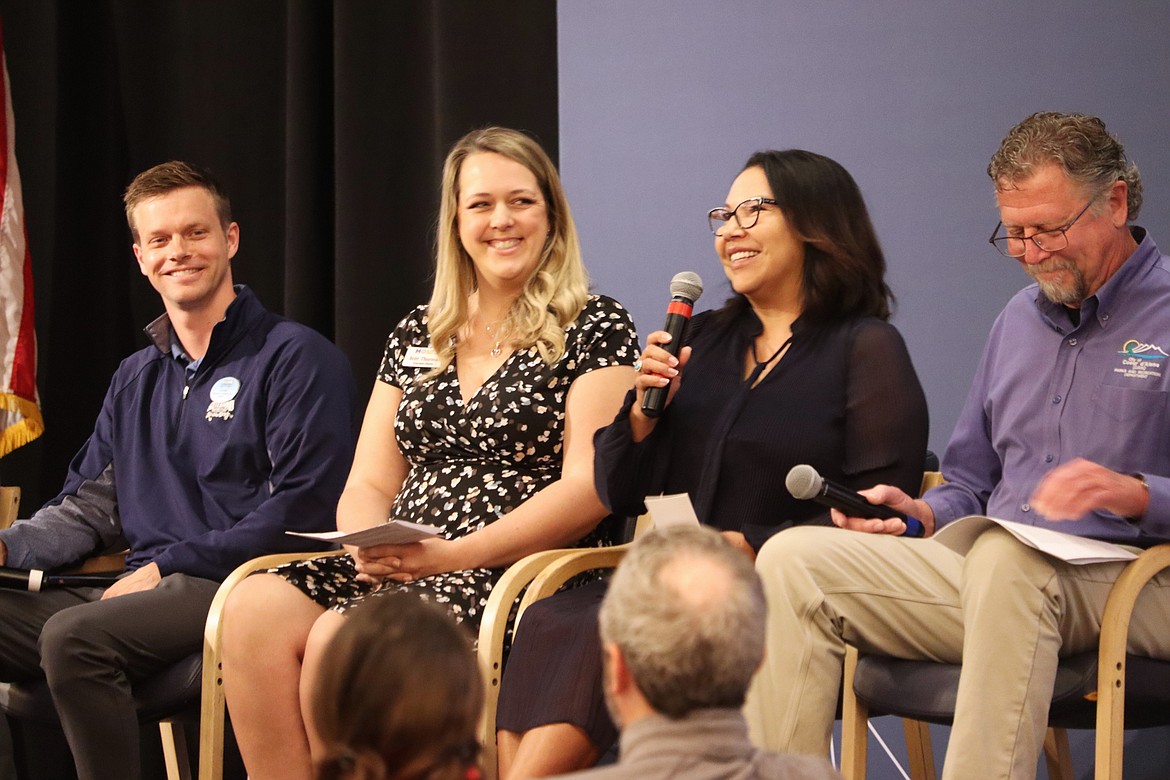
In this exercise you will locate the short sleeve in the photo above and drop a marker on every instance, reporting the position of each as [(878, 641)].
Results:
[(603, 336), (410, 332)]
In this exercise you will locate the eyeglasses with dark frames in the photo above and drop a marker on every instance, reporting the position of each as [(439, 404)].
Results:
[(746, 214), (1047, 240)]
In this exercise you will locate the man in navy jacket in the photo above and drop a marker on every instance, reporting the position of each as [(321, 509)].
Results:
[(234, 426)]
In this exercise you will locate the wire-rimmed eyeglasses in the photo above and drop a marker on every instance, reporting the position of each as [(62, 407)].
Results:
[(746, 214), (1047, 240)]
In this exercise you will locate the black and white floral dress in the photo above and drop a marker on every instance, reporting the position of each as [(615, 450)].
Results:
[(475, 462)]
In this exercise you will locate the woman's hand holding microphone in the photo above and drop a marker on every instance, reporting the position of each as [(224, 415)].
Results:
[(657, 368)]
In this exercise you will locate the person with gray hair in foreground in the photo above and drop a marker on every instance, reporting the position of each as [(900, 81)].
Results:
[(682, 630)]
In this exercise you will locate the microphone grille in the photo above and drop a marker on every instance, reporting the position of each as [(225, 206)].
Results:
[(686, 285), (803, 482)]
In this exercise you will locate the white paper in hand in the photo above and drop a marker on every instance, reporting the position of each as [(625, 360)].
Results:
[(961, 534), (392, 532), (675, 509)]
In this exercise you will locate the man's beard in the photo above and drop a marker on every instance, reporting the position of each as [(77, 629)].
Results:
[(1071, 292)]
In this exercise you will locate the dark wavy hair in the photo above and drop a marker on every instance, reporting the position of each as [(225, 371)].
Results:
[(844, 268), (400, 695)]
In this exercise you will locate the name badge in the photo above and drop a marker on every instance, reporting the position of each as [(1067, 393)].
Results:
[(420, 357), (223, 399)]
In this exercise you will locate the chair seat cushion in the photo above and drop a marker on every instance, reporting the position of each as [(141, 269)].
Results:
[(171, 693), (926, 691)]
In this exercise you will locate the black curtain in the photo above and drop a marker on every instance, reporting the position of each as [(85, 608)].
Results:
[(326, 121)]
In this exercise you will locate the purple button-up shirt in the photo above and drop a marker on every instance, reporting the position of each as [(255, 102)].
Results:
[(1047, 392)]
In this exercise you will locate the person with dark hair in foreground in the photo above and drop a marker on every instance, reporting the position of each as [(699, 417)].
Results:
[(232, 427), (1065, 428), (400, 697), (799, 366), (682, 628)]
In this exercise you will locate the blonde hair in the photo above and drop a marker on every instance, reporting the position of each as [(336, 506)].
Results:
[(557, 290)]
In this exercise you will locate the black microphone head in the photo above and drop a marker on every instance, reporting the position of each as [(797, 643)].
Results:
[(686, 285), (804, 482)]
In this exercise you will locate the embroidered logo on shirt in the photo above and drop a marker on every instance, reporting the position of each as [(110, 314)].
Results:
[(1141, 360), (1135, 348), (223, 399)]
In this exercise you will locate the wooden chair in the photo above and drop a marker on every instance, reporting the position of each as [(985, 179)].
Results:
[(537, 576), (191, 690), (9, 505), (1090, 690), (493, 629), (212, 706)]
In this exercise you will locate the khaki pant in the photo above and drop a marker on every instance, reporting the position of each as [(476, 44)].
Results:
[(1005, 611)]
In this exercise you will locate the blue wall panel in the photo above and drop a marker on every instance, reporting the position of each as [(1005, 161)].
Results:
[(662, 100)]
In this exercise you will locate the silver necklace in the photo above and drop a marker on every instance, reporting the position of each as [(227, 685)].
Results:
[(497, 348)]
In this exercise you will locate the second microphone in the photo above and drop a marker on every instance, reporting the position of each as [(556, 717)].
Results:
[(805, 483)]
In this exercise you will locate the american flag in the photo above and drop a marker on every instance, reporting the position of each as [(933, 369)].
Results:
[(20, 413)]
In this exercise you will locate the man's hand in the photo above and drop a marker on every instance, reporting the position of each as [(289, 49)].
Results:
[(141, 579), (895, 499), (1073, 489)]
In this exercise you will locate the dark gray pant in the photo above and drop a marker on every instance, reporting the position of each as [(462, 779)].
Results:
[(91, 652)]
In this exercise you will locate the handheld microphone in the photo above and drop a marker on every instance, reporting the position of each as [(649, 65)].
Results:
[(804, 483), (35, 580), (685, 289)]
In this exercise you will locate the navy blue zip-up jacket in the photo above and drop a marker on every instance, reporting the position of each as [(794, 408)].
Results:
[(200, 475)]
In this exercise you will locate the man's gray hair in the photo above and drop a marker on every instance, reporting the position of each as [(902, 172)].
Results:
[(687, 611), (1080, 144)]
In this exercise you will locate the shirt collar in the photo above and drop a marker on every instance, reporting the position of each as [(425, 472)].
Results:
[(161, 333), (180, 354), (1099, 305)]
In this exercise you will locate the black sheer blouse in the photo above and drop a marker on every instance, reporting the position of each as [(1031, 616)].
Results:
[(844, 399)]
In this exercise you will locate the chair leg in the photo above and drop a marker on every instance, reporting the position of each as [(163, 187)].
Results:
[(854, 723), (211, 719), (174, 747), (1057, 755), (919, 749)]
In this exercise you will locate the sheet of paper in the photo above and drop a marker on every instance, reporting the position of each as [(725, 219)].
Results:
[(392, 532), (675, 509), (961, 534)]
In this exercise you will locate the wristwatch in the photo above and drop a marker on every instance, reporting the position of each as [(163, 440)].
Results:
[(1140, 477)]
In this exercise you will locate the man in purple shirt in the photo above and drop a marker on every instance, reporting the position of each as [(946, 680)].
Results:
[(1065, 427)]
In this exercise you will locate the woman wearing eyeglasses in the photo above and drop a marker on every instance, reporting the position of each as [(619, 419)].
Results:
[(798, 366)]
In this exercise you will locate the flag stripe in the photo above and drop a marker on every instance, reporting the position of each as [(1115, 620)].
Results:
[(20, 415)]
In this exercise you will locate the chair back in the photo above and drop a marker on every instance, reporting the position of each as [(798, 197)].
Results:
[(930, 479), (9, 505)]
